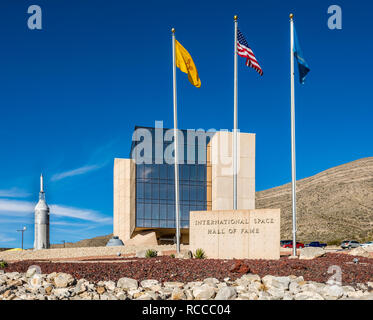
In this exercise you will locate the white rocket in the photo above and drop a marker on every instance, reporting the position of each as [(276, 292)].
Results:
[(41, 240)]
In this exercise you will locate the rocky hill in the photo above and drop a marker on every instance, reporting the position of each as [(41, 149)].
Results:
[(333, 205), (100, 241)]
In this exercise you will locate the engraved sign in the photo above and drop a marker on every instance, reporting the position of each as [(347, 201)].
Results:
[(249, 234)]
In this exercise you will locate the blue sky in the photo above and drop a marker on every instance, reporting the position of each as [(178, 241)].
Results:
[(71, 94)]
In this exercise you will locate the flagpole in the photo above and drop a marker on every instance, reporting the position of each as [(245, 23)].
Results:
[(235, 118), (293, 160), (176, 145)]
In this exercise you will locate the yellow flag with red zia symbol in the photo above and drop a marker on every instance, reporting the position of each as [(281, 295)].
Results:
[(186, 64)]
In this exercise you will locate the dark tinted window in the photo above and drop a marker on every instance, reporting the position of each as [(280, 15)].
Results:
[(155, 190)]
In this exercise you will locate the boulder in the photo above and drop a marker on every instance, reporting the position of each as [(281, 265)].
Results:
[(100, 290), (63, 280), (173, 284), (333, 291), (309, 253), (203, 292), (149, 283), (127, 283), (251, 277), (276, 293), (61, 292), (360, 251), (184, 254), (277, 282), (80, 287), (31, 271), (178, 294), (226, 293), (109, 285), (211, 281)]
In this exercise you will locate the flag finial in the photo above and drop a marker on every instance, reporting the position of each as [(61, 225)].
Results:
[(235, 18), (291, 16), (173, 30)]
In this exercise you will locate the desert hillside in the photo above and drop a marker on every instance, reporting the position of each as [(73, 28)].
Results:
[(335, 204), (100, 241)]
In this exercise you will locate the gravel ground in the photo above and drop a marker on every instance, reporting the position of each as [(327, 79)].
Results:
[(170, 269)]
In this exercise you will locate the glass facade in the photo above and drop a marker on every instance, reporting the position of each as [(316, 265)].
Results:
[(155, 189)]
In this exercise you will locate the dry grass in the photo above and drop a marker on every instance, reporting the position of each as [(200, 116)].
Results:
[(332, 206)]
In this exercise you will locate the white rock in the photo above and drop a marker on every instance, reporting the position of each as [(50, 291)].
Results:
[(311, 253), (308, 287), (264, 296), (288, 296), (109, 285), (249, 296), (144, 296), (121, 296), (127, 283), (31, 271), (173, 284), (294, 287), (13, 275), (226, 293), (178, 294), (308, 295), (251, 277), (63, 280), (203, 292), (191, 285), (61, 292), (277, 282), (211, 281), (149, 283), (80, 287), (333, 291), (189, 294), (276, 293)]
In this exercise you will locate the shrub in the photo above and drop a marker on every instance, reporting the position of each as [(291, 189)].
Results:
[(199, 254), (150, 253), (3, 264), (172, 255)]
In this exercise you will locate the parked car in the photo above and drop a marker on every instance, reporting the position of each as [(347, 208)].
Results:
[(290, 245), (348, 244), (367, 244), (285, 242), (316, 244)]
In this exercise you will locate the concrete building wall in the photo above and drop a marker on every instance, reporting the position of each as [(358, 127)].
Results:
[(124, 198), (222, 170)]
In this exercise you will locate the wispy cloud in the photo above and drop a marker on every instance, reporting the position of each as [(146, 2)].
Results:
[(83, 214), (76, 172), (13, 193), (101, 157), (10, 207), (5, 239), (16, 207)]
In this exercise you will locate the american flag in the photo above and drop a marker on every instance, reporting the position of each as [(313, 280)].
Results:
[(244, 51)]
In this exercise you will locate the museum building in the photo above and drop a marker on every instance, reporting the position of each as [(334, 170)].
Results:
[(144, 190)]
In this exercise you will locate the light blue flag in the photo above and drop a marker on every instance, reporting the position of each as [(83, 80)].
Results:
[(302, 64)]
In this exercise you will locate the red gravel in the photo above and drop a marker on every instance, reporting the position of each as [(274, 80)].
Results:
[(170, 269)]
